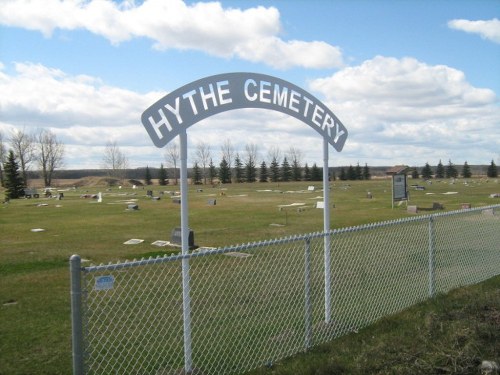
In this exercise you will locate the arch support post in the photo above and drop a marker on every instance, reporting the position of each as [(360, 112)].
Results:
[(326, 229), (186, 298)]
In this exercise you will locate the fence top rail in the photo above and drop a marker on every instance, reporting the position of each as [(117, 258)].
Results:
[(265, 243)]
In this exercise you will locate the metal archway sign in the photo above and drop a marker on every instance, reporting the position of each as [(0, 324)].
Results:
[(203, 98), (170, 117)]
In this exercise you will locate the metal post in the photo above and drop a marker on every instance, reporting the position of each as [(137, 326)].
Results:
[(431, 258), (186, 299), (326, 229), (307, 294), (75, 265)]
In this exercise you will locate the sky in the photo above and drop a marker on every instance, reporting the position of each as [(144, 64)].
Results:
[(414, 82)]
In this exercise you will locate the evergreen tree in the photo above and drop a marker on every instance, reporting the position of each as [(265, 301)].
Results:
[(307, 173), (414, 173), (196, 174), (275, 170), (366, 172), (427, 172), (286, 171), (238, 169), (466, 172), (492, 170), (14, 183), (224, 172), (358, 172), (440, 170), (296, 171), (343, 174), (451, 171), (147, 177), (162, 176), (250, 171), (212, 171), (263, 172), (316, 173), (351, 173)]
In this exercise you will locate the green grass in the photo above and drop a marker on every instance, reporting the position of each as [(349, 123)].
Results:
[(35, 334), (450, 334)]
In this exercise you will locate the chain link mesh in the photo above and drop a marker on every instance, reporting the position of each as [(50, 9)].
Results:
[(256, 303)]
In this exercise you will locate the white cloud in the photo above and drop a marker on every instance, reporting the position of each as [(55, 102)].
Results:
[(396, 111), (37, 95), (391, 105), (251, 34), (489, 29)]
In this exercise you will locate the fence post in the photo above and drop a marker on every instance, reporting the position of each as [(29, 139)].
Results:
[(307, 294), (432, 255), (75, 265)]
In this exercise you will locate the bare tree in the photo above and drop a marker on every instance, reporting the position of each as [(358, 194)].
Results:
[(274, 153), (227, 150), (172, 156), (49, 154), (252, 152), (23, 146), (115, 161), (295, 155), (203, 154)]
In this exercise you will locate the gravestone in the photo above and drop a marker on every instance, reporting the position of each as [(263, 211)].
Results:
[(176, 237), (412, 209), (132, 207), (437, 206), (212, 202)]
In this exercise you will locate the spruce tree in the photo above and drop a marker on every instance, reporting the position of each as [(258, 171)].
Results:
[(275, 170), (316, 173), (351, 173), (427, 172), (366, 172), (440, 170), (414, 173), (238, 169), (263, 172), (286, 171), (343, 174), (466, 173), (224, 172), (358, 172), (212, 171), (307, 173), (451, 171), (492, 170), (162, 176), (296, 171), (147, 177), (196, 174), (250, 171), (14, 183)]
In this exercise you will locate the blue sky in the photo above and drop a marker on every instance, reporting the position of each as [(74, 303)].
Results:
[(412, 81)]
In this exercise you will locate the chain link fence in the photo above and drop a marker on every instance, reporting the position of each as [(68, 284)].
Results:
[(250, 305)]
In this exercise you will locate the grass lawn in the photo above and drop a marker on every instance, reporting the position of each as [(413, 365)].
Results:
[(35, 334)]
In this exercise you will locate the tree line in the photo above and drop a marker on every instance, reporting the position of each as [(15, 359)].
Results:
[(44, 150), (451, 171)]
